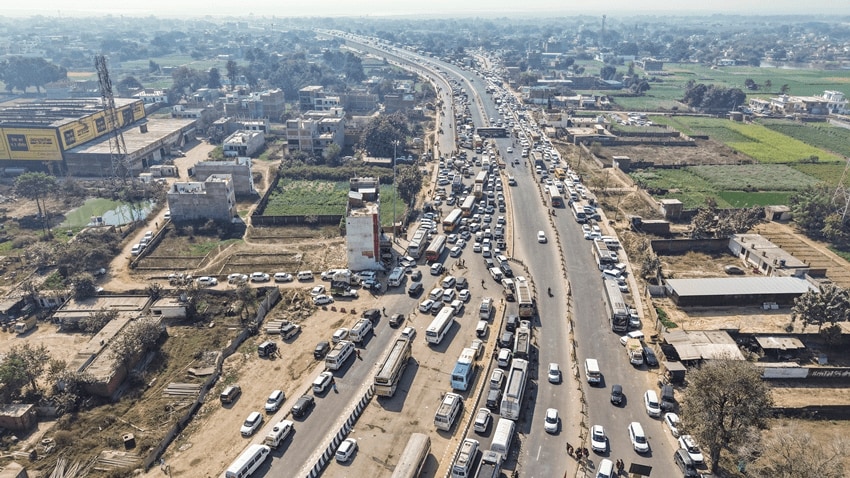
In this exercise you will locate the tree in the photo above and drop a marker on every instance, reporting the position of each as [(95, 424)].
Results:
[(84, 285), (381, 134), (331, 154), (810, 208), (232, 72), (23, 366), (607, 72), (784, 89), (36, 186), (726, 400), (408, 183), (139, 337), (750, 84), (768, 84), (794, 453), (213, 78), (20, 73), (96, 320), (128, 85), (827, 305)]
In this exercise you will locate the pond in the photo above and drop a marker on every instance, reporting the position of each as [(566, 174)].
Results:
[(106, 212)]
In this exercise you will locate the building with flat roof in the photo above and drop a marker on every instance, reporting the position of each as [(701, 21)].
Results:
[(238, 168), (243, 143), (214, 198), (316, 131), (261, 104), (768, 258), (363, 225), (736, 291)]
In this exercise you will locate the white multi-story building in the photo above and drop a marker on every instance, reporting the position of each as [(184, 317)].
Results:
[(836, 103), (243, 143), (213, 198), (363, 225)]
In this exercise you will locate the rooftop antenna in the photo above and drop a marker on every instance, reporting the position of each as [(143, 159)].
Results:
[(117, 148)]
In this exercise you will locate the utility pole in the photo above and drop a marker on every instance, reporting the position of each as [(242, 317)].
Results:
[(395, 192)]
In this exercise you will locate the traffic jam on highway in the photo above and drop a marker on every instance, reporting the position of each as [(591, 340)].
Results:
[(491, 403)]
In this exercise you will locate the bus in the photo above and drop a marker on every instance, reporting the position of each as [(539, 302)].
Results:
[(468, 206), (461, 377), (248, 462), (418, 244), (604, 257), (560, 173), (618, 313), (389, 375), (515, 388), (440, 326), (555, 198), (452, 221), (481, 178), (435, 249), (493, 132), (578, 212), (413, 457), (524, 298)]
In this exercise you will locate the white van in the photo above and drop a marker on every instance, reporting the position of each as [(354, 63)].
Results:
[(448, 411), (485, 310), (592, 372), (339, 354), (465, 462), (278, 433), (305, 275), (360, 330), (502, 437), (248, 462)]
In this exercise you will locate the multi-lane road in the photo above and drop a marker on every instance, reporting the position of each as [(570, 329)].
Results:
[(576, 300)]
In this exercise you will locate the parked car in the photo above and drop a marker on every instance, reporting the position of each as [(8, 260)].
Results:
[(346, 450), (673, 423), (251, 424), (274, 401), (322, 299), (322, 349), (207, 281), (687, 443), (259, 277), (282, 277)]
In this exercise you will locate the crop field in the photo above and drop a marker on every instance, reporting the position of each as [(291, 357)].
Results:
[(820, 135), (829, 173), (729, 185), (754, 140), (301, 198)]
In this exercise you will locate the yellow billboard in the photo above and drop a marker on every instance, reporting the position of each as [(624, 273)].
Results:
[(32, 144), (4, 148), (79, 132)]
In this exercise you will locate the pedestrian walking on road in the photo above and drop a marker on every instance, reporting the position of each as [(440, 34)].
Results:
[(334, 386)]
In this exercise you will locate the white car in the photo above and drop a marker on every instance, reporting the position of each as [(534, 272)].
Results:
[(259, 277), (464, 295), (456, 251), (252, 423), (448, 282), (436, 269), (207, 281), (554, 373), (638, 437), (274, 401), (322, 299), (541, 237), (482, 420), (552, 421), (408, 333), (673, 423), (346, 450), (282, 277), (476, 247), (340, 335), (425, 306), (497, 377), (634, 334), (317, 291), (687, 443), (598, 440), (237, 278)]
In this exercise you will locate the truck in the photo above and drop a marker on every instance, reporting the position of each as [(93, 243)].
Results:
[(342, 280), (457, 184), (634, 349), (522, 342), (491, 464), (478, 190), (25, 324)]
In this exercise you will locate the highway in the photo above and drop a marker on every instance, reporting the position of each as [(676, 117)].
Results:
[(536, 453)]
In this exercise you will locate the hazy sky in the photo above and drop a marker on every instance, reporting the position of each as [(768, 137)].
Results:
[(414, 7)]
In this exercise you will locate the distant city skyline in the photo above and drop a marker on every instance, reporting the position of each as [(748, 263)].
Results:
[(432, 8)]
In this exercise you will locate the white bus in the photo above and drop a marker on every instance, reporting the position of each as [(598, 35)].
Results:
[(502, 437), (448, 410), (396, 277), (515, 388), (248, 462), (417, 245), (578, 212), (413, 457), (388, 376), (440, 326)]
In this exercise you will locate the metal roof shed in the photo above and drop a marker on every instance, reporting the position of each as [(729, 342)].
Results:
[(723, 291)]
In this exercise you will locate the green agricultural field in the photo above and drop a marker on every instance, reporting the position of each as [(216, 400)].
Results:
[(829, 173), (820, 135), (729, 185), (753, 177), (754, 140), (307, 198)]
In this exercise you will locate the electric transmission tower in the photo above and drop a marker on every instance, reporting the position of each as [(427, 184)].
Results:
[(841, 196), (117, 148)]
